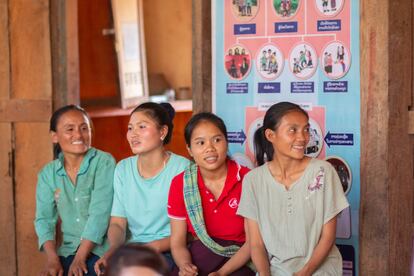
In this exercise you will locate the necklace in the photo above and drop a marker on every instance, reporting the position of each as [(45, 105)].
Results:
[(140, 170)]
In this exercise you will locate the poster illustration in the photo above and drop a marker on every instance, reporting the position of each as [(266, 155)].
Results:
[(306, 52)]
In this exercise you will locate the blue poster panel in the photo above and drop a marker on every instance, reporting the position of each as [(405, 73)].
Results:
[(306, 52)]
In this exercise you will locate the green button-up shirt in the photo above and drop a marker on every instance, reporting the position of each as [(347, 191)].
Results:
[(84, 208)]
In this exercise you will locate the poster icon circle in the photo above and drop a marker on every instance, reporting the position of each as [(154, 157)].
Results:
[(335, 60), (237, 62), (303, 60), (245, 10), (269, 61)]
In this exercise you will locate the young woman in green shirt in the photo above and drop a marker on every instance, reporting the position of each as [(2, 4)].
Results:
[(77, 188)]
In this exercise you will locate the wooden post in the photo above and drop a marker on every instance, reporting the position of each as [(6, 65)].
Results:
[(7, 214), (65, 52), (386, 211), (201, 72)]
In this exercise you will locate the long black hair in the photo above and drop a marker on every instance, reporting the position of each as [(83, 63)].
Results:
[(54, 120), (162, 113), (263, 148)]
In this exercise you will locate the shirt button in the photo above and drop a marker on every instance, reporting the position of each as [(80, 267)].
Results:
[(289, 211), (76, 199), (211, 200), (215, 211), (77, 220)]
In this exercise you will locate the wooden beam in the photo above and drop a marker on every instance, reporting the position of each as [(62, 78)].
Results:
[(201, 80), (8, 258), (19, 110), (386, 210), (7, 206), (65, 52)]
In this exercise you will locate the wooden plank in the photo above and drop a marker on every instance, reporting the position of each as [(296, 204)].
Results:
[(374, 244), (201, 81), (33, 151), (65, 53), (7, 219), (30, 49), (31, 91), (19, 110), (386, 148), (4, 52), (400, 165), (7, 212)]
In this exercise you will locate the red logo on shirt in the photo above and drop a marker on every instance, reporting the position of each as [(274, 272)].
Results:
[(233, 203)]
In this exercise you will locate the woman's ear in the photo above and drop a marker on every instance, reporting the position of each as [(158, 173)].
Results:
[(269, 135), (164, 132), (189, 150), (53, 136)]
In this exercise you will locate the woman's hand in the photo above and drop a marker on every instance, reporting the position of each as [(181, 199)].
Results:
[(78, 267), (188, 269), (100, 265), (53, 268)]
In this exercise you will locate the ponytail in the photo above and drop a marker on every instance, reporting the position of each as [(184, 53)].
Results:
[(262, 147)]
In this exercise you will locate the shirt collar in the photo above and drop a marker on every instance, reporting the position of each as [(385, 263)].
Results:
[(232, 178), (60, 169)]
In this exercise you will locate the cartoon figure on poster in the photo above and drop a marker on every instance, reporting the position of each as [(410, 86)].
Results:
[(335, 60), (286, 8), (237, 62), (314, 146), (245, 10), (303, 60), (329, 7), (343, 170), (269, 62)]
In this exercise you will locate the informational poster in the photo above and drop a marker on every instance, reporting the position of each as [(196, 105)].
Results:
[(306, 52)]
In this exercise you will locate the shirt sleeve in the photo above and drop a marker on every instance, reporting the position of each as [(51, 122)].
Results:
[(334, 198), (247, 206), (118, 208), (46, 212), (176, 205), (101, 199)]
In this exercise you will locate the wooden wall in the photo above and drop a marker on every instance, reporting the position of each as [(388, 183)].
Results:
[(25, 106), (98, 68), (168, 40)]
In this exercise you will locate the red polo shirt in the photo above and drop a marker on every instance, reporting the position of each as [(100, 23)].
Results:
[(220, 216)]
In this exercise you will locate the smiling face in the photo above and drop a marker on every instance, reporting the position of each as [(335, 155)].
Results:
[(144, 134), (73, 133), (208, 146), (291, 135)]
